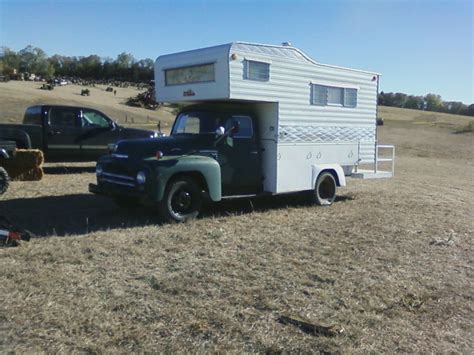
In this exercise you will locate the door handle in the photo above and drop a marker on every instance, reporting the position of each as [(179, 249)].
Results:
[(254, 152), (54, 133)]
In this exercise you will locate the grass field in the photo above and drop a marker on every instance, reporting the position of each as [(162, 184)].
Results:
[(390, 263)]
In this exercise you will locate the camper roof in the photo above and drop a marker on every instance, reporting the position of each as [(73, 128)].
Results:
[(279, 51)]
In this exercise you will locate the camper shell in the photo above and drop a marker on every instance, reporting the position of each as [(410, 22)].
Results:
[(261, 119), (309, 114)]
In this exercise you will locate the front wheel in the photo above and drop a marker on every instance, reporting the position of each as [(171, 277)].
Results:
[(324, 192), (4, 180), (182, 200)]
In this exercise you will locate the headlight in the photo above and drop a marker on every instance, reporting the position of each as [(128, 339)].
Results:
[(154, 135), (98, 170), (141, 177)]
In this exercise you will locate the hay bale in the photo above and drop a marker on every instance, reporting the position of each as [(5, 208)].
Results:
[(21, 174), (25, 158), (25, 165)]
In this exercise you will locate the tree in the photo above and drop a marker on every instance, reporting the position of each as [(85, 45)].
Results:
[(9, 61), (90, 67), (414, 102), (34, 60), (433, 102)]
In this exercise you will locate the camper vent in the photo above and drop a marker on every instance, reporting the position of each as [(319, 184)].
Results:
[(286, 44)]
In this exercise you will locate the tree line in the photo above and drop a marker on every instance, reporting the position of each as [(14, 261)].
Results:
[(34, 60), (429, 102)]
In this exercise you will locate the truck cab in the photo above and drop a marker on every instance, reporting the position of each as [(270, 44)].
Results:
[(213, 150)]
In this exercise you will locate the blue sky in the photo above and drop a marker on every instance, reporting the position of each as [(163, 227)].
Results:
[(419, 46)]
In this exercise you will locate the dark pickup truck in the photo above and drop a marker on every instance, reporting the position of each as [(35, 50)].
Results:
[(68, 133)]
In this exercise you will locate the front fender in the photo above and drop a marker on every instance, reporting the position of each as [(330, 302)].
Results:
[(207, 169)]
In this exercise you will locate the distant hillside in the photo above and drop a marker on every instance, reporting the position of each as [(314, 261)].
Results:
[(418, 117)]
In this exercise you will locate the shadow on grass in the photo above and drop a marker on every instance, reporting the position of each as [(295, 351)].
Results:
[(60, 170), (80, 214)]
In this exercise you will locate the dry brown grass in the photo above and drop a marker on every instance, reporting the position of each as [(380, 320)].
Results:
[(390, 262)]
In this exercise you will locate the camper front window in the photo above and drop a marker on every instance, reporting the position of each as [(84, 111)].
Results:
[(192, 74)]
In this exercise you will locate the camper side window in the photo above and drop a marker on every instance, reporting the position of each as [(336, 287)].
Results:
[(256, 70), (323, 95)]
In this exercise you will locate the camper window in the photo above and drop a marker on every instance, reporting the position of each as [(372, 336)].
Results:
[(256, 70), (192, 74), (323, 95)]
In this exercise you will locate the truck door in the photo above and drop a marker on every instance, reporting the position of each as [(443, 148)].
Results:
[(62, 131), (97, 133), (239, 157)]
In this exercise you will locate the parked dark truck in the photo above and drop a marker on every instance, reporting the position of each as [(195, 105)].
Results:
[(68, 133), (213, 150)]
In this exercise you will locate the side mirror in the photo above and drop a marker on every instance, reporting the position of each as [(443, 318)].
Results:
[(235, 127), (220, 131)]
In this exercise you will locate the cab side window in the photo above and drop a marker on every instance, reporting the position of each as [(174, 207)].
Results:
[(245, 129), (91, 118), (59, 116)]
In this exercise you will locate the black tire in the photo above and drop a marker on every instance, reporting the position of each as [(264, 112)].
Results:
[(4, 180), (182, 200), (324, 192)]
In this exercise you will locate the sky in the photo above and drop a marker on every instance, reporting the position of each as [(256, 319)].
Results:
[(419, 46)]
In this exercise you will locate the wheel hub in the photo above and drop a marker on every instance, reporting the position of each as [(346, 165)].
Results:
[(182, 201)]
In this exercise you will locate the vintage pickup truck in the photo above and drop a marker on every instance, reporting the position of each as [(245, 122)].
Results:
[(68, 133), (263, 119), (213, 150)]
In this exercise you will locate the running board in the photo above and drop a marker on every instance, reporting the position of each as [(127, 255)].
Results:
[(371, 174)]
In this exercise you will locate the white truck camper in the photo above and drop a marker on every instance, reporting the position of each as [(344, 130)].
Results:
[(312, 117)]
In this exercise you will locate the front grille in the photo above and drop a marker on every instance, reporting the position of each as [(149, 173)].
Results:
[(118, 179)]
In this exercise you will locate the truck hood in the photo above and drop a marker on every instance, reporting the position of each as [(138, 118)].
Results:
[(135, 133), (172, 145)]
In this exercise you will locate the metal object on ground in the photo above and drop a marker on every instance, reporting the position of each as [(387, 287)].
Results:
[(11, 235)]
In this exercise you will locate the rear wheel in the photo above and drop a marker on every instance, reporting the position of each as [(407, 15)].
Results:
[(4, 180), (182, 200), (324, 192)]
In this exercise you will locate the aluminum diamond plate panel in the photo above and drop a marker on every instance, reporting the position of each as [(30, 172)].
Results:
[(306, 134)]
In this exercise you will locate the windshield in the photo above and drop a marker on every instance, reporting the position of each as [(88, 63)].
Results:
[(197, 122)]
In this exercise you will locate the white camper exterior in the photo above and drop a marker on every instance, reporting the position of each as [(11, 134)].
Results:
[(311, 115)]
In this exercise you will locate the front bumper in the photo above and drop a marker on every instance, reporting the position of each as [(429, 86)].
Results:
[(110, 190)]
